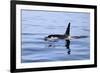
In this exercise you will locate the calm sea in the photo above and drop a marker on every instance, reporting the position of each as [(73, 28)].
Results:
[(38, 24)]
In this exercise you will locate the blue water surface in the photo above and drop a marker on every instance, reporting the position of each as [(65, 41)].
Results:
[(36, 25)]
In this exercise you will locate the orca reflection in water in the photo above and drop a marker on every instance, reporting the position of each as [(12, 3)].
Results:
[(66, 36)]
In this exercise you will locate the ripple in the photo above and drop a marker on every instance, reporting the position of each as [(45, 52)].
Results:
[(26, 34), (33, 42)]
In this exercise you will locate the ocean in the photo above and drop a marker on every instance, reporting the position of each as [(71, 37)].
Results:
[(36, 25)]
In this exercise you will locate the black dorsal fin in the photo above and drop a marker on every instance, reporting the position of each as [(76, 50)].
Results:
[(68, 30)]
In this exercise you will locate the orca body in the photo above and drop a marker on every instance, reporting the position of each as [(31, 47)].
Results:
[(55, 37), (66, 36)]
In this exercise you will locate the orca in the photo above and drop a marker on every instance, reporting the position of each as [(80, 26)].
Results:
[(55, 37), (66, 36)]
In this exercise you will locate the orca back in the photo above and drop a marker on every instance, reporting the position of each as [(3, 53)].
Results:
[(68, 30)]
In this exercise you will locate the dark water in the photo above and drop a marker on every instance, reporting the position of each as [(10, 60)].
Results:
[(38, 24)]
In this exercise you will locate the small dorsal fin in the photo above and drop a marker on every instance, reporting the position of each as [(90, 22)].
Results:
[(68, 30)]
